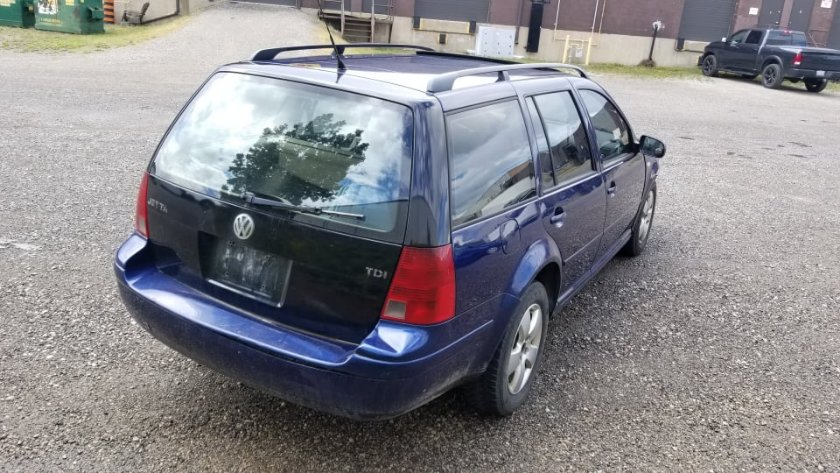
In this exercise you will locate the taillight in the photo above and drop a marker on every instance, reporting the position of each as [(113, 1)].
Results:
[(141, 215), (797, 61), (423, 287)]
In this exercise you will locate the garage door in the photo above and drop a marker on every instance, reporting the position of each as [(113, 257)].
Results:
[(707, 20), (834, 37), (456, 10)]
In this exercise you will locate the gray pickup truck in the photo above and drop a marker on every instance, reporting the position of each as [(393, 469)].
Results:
[(777, 55)]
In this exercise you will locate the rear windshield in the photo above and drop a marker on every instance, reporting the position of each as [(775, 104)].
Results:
[(786, 38), (305, 145)]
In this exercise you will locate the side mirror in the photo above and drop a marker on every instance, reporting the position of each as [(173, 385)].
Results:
[(724, 39), (652, 147)]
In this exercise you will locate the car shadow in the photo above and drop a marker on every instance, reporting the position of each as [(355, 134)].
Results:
[(787, 86), (248, 420)]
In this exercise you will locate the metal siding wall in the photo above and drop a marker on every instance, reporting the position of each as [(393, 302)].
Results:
[(623, 17), (456, 10), (800, 16), (288, 3), (834, 36), (771, 13), (706, 20), (381, 6)]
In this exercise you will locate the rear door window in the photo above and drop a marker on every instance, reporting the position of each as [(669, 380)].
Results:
[(786, 38), (302, 144), (558, 116), (491, 167)]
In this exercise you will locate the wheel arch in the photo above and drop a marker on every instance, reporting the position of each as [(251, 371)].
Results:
[(772, 60), (550, 277), (542, 263)]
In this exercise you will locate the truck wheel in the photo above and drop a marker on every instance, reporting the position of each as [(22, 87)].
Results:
[(815, 85), (772, 77), (710, 66), (504, 387)]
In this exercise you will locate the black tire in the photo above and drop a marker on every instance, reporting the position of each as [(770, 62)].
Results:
[(816, 85), (710, 66), (771, 76), (642, 226), (492, 394)]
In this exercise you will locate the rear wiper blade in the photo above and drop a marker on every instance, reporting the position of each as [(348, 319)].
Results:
[(281, 203)]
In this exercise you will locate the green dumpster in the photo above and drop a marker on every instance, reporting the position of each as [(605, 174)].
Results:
[(69, 16), (19, 13)]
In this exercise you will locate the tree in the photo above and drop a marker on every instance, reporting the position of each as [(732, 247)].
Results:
[(307, 162)]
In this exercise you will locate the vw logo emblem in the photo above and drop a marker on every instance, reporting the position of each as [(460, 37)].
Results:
[(243, 226)]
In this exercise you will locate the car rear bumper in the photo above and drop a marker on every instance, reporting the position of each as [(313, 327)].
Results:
[(397, 368), (813, 74)]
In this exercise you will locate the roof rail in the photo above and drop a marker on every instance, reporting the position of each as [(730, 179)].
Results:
[(271, 53), (445, 82)]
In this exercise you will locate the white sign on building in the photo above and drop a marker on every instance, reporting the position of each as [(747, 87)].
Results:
[(494, 41)]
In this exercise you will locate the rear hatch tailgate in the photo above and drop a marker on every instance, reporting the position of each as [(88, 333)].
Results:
[(335, 164)]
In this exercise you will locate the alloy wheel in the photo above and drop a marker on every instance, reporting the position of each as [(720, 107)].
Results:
[(769, 76), (647, 216), (526, 348), (708, 68)]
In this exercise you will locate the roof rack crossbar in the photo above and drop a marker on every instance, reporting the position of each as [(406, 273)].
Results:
[(270, 53), (446, 82)]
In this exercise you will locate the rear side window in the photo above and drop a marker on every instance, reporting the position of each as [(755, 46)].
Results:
[(559, 117), (490, 161), (303, 144), (786, 38), (611, 131)]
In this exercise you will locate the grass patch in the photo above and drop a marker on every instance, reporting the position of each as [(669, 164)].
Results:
[(673, 72), (646, 72), (115, 36)]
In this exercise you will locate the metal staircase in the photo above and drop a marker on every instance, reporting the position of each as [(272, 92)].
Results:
[(358, 26)]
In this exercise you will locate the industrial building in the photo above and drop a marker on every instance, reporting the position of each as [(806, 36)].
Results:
[(611, 31)]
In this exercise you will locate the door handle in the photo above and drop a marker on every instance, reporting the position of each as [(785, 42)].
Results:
[(559, 217), (611, 189)]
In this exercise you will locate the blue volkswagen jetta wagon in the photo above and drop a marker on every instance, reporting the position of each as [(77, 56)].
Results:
[(361, 233)]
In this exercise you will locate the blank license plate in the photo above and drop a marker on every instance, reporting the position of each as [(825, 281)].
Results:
[(248, 271)]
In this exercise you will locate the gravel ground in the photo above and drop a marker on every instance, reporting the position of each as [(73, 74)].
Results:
[(719, 349)]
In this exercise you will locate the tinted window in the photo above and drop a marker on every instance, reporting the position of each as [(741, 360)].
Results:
[(786, 38), (754, 37), (611, 131), (308, 145), (546, 166), (739, 37), (490, 161), (564, 128)]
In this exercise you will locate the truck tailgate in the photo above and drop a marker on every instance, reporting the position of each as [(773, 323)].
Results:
[(821, 60)]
